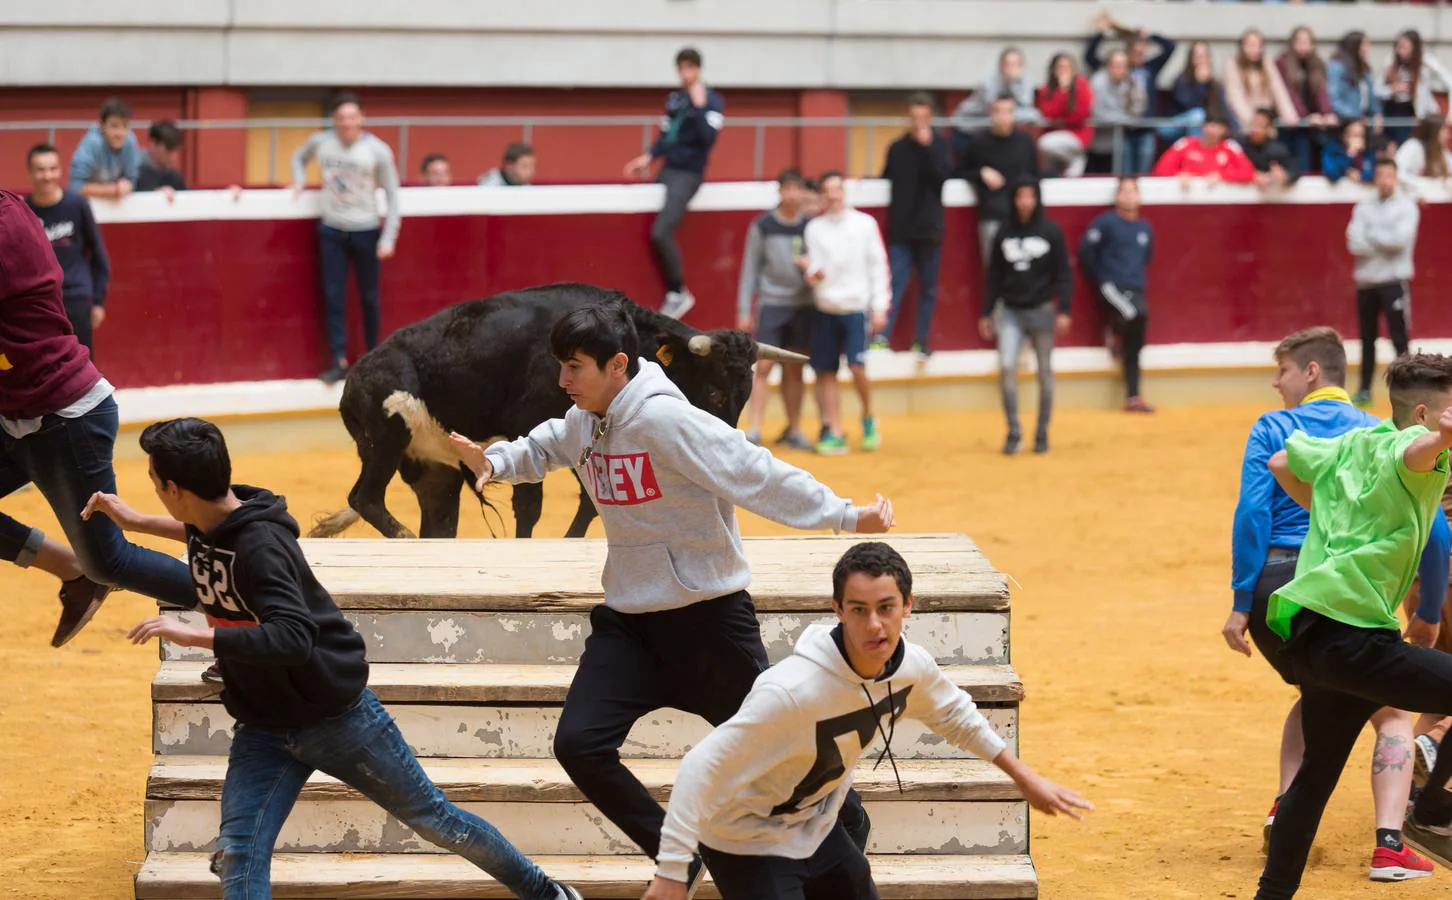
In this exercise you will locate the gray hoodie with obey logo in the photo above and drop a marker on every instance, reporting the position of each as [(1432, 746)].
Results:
[(666, 478)]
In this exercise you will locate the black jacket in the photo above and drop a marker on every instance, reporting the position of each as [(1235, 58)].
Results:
[(688, 132), (288, 657), (1272, 151), (917, 173), (1014, 157), (1029, 263)]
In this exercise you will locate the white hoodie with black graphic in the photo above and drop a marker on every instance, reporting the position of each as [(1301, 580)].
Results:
[(771, 780)]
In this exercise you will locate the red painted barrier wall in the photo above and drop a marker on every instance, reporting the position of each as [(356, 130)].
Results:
[(207, 301)]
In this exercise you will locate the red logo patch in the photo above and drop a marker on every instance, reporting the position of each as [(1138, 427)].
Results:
[(624, 480)]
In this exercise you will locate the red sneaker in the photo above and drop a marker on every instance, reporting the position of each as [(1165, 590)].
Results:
[(1137, 405), (1398, 865)]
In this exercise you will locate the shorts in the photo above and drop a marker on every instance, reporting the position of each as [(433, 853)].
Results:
[(1276, 575), (787, 327), (835, 335)]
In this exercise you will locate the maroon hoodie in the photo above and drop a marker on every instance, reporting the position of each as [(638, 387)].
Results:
[(43, 368)]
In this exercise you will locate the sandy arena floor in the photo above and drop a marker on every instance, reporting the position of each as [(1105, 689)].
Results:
[(1119, 541)]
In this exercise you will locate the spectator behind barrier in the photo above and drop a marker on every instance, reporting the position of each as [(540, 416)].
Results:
[(158, 171), (107, 162), (1120, 100), (1406, 84), (1007, 78), (1196, 94), (1349, 81), (1252, 83), (76, 240), (1425, 155), (994, 162), (436, 170), (1304, 74), (1275, 166), (1348, 155), (1067, 102), (1144, 66), (516, 169), (1213, 157)]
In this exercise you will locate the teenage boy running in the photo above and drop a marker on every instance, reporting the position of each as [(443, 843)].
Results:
[(1372, 494), (677, 628), (294, 674), (760, 794), (1268, 530)]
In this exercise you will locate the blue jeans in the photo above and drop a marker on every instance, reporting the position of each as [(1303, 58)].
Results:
[(363, 748), (1138, 153), (1183, 124), (335, 250), (922, 257), (68, 460), (1014, 325)]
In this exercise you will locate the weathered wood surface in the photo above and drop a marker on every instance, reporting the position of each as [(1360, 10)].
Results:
[(493, 683), (527, 732), (576, 829), (185, 876), (788, 573), (544, 781)]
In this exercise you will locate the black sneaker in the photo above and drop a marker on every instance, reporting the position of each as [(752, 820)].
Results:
[(860, 830), (695, 876), (1041, 443), (212, 674), (334, 375), (1434, 841), (1011, 444), (80, 598)]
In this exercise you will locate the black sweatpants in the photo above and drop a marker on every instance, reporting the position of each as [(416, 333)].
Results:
[(1389, 301), (78, 310), (1276, 574), (1128, 311), (837, 871), (701, 658), (1346, 674), (680, 187)]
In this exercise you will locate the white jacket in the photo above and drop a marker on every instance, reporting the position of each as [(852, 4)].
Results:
[(761, 784), (846, 247)]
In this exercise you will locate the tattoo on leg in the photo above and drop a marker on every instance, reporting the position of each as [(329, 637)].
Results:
[(1391, 753)]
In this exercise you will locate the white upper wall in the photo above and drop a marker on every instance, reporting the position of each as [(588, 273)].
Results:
[(863, 44)]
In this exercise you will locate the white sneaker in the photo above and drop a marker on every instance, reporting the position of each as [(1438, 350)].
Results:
[(1424, 760), (677, 304), (568, 893)]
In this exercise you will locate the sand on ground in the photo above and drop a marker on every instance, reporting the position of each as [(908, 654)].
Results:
[(1118, 542)]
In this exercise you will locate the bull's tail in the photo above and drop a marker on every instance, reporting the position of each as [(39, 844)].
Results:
[(326, 526)]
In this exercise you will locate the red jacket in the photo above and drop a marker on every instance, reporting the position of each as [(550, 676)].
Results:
[(43, 368), (1060, 116), (1190, 156)]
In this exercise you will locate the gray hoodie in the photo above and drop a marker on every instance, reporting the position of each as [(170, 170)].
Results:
[(760, 785), (1122, 103), (1382, 236), (352, 175), (769, 264), (976, 106), (666, 478)]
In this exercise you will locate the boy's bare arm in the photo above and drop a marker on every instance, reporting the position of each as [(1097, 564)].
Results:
[(1422, 454), (1297, 489)]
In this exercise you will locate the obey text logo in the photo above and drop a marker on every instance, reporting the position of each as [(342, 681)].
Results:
[(624, 480)]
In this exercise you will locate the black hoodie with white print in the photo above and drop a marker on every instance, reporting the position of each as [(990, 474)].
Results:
[(288, 657), (771, 779), (1029, 263)]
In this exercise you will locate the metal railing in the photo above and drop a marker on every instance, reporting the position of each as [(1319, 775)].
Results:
[(865, 126)]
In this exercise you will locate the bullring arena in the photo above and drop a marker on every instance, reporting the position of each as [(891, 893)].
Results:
[(1078, 595)]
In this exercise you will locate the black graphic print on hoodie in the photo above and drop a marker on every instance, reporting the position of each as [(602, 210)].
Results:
[(1029, 263), (288, 657)]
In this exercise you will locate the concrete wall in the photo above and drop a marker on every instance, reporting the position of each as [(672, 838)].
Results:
[(901, 44)]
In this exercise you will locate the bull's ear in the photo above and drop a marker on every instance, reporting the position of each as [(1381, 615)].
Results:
[(668, 347)]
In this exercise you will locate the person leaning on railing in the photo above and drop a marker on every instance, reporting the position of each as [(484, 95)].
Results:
[(1067, 102), (1304, 73), (1349, 83)]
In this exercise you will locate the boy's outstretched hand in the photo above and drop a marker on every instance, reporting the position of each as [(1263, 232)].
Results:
[(164, 627), (1052, 799), (665, 889), (875, 517), (114, 508)]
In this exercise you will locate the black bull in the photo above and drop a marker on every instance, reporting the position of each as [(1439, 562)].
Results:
[(483, 368)]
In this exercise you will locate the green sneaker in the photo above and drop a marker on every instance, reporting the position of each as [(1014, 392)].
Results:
[(832, 445), (871, 437), (1362, 399), (879, 342)]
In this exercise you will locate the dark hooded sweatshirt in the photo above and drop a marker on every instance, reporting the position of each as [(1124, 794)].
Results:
[(288, 657), (1029, 263)]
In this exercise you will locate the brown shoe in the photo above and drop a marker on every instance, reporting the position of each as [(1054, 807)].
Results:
[(212, 674), (80, 598)]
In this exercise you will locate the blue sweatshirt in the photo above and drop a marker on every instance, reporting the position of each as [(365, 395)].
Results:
[(95, 162), (1267, 517), (71, 227), (1117, 250), (1336, 162), (688, 132)]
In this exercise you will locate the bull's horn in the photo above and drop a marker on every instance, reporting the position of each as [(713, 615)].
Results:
[(700, 344), (777, 354)]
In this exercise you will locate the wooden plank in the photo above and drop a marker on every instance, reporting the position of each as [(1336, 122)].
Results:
[(574, 829), (311, 876), (544, 781), (788, 574), (180, 680)]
